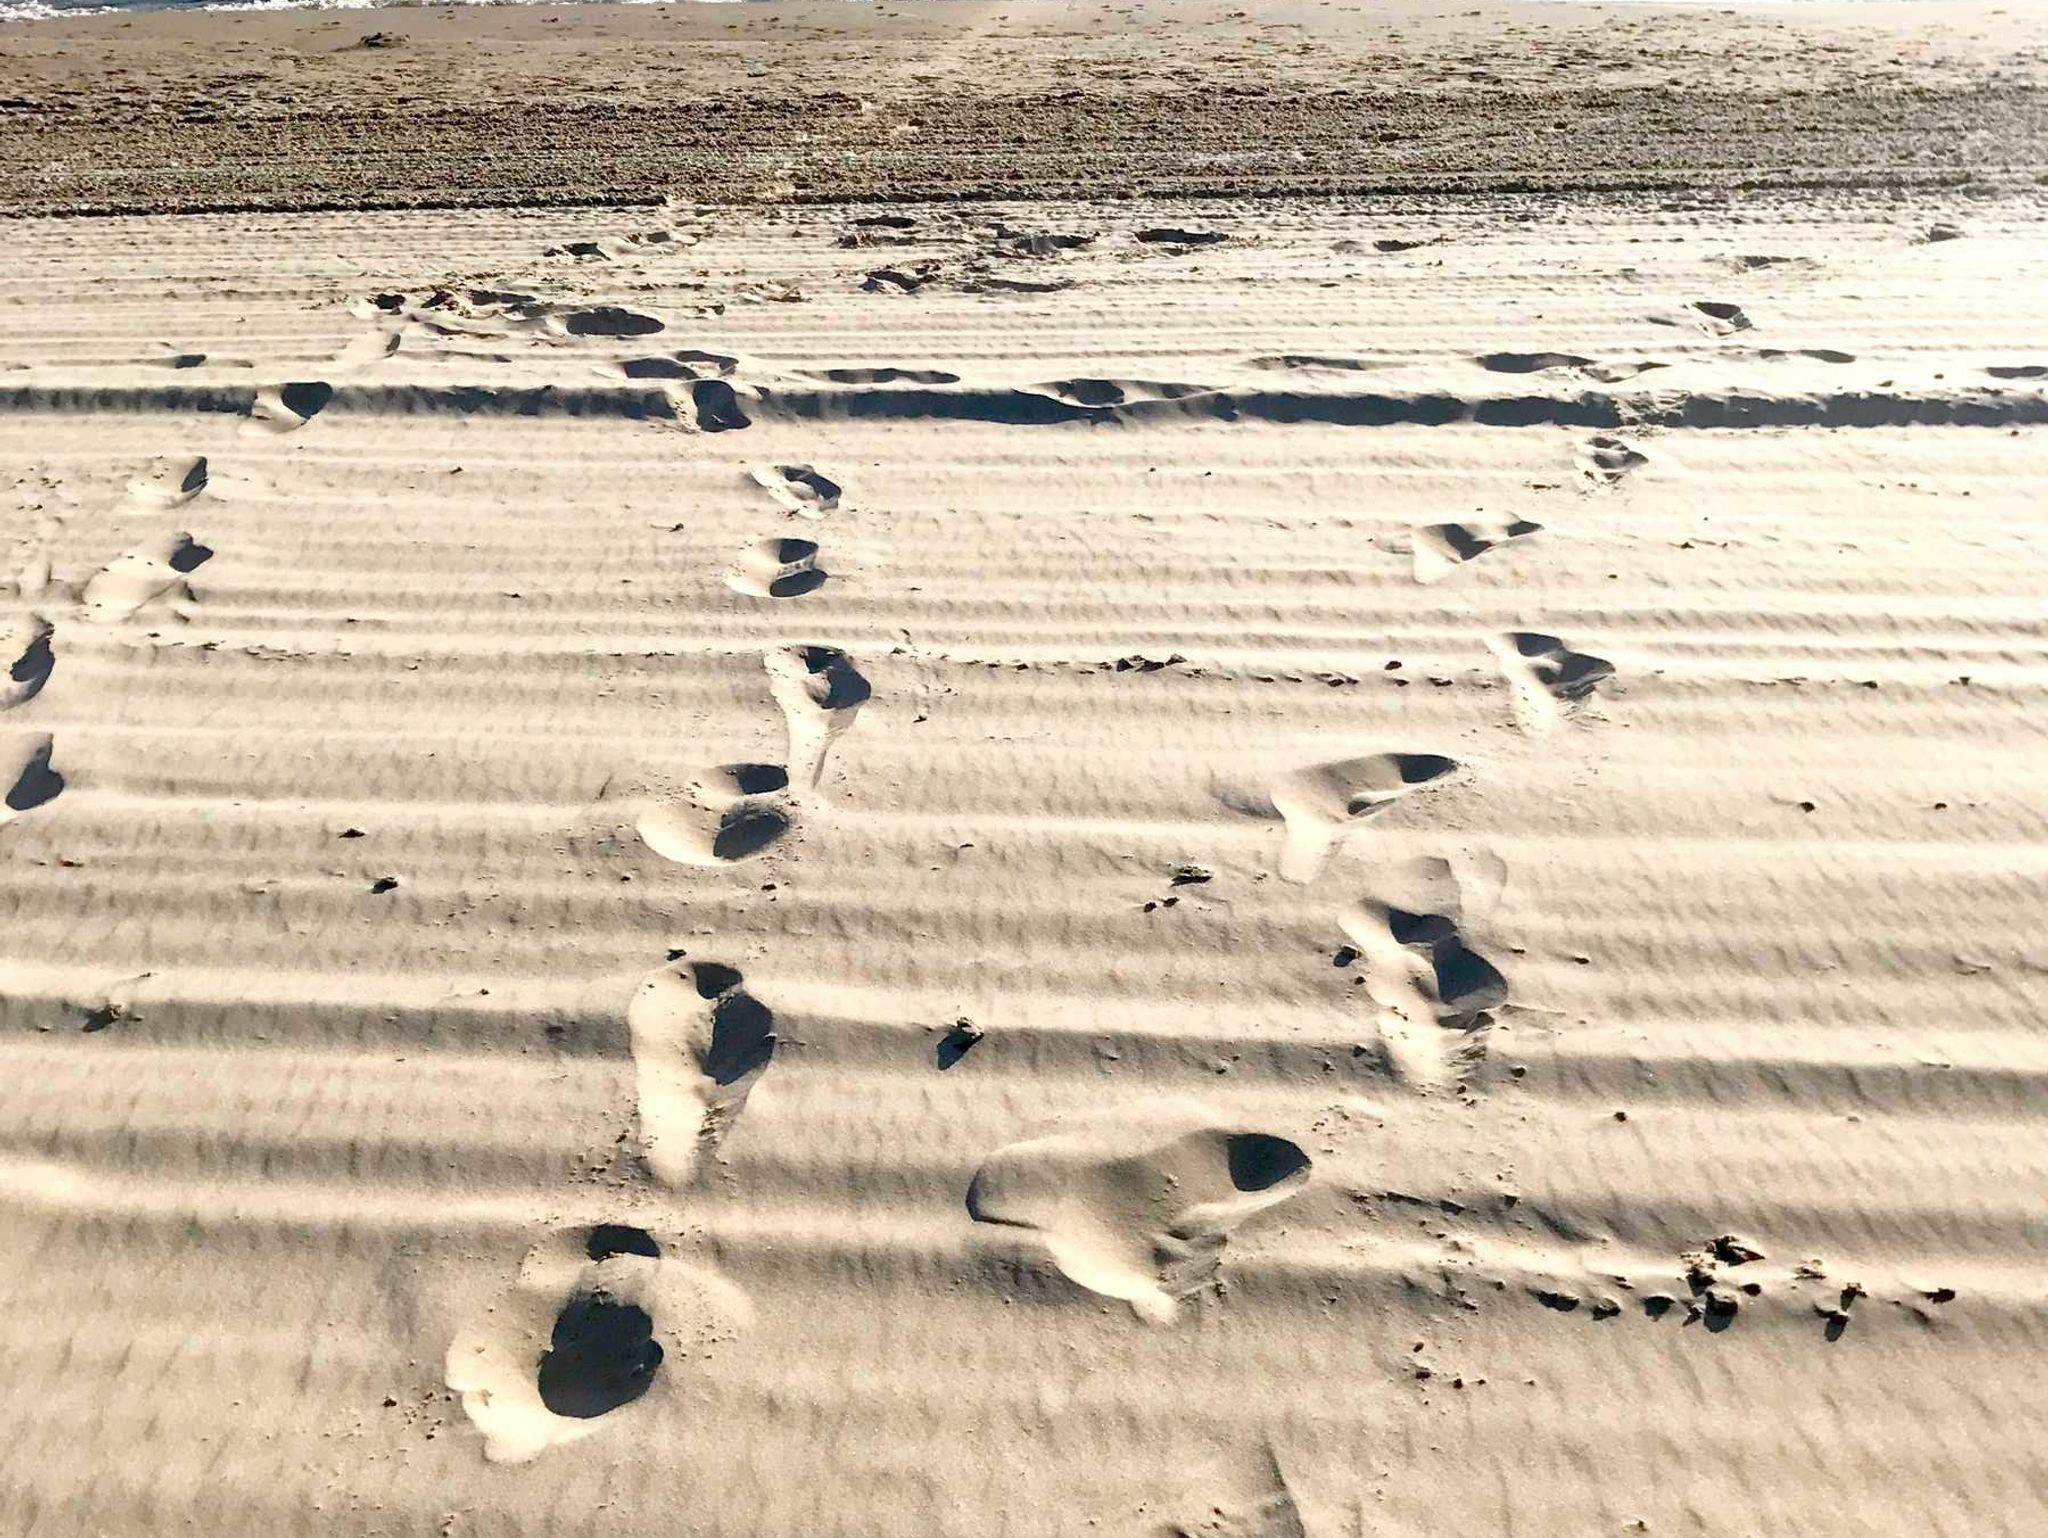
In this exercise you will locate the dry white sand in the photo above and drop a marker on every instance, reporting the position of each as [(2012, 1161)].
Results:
[(1252, 868)]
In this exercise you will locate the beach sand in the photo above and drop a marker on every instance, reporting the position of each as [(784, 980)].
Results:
[(1262, 866)]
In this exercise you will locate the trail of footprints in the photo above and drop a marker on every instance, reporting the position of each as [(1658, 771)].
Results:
[(154, 572), (1138, 1208)]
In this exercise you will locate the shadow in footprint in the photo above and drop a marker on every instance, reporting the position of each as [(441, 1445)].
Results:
[(609, 320), (33, 782), (602, 1355), (32, 665), (716, 407)]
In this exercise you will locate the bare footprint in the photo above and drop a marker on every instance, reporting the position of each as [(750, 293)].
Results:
[(1713, 316), (687, 363), (882, 374), (710, 406), (603, 320), (778, 568), (27, 641), (820, 692), (1436, 992), (726, 813), (144, 574), (1321, 805), (287, 408), (798, 489), (1606, 460), (1545, 674), (25, 771), (700, 1041), (1441, 548), (1139, 1208), (584, 1332), (169, 482)]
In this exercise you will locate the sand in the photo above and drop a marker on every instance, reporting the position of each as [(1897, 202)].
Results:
[(1259, 865)]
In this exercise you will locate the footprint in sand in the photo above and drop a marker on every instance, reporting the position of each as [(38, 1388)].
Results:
[(144, 574), (1436, 992), (777, 568), (1565, 362), (727, 813), (1180, 239), (1139, 1207), (287, 408), (799, 489), (700, 1041), (710, 406), (1718, 318), (820, 692), (603, 320), (169, 482), (882, 374), (1441, 548), (582, 1333), (370, 348), (1606, 460), (1321, 805), (687, 363), (1545, 674), (27, 641), (1713, 316), (25, 771)]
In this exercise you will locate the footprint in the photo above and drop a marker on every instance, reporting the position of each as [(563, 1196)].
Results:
[(1546, 362), (1718, 318), (1605, 460), (170, 482), (699, 1040), (778, 568), (604, 320), (1166, 235), (820, 692), (1099, 393), (25, 771), (726, 813), (1320, 805), (688, 363), (2018, 371), (582, 1333), (711, 406), (27, 641), (1816, 354), (1441, 548), (798, 489), (883, 374), (290, 407), (1531, 362), (1311, 363), (1545, 673), (144, 574), (370, 347), (1436, 992), (1138, 1208)]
